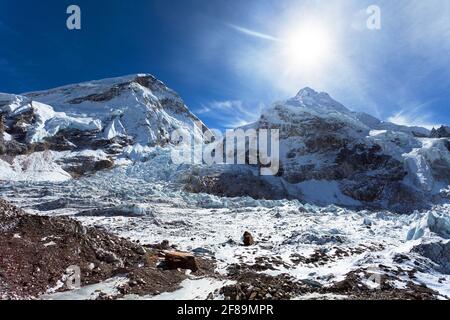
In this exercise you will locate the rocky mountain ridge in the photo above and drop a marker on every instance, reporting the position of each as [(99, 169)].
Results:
[(353, 158), (78, 129)]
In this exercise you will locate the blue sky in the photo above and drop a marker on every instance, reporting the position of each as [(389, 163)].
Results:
[(228, 59)]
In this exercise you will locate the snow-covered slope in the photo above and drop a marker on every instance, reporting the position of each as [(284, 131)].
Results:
[(323, 103), (87, 126), (329, 154), (372, 161), (139, 106)]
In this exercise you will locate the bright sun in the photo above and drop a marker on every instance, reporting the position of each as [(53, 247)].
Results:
[(306, 47)]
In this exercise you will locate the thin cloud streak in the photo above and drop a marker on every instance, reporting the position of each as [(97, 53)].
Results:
[(415, 116), (229, 113), (253, 33), (353, 74)]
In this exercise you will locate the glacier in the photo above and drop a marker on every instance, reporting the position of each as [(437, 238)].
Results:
[(100, 152)]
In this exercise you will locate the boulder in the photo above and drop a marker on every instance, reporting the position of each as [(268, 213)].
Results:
[(248, 239), (180, 260)]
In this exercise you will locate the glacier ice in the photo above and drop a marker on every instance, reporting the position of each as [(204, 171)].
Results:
[(437, 223)]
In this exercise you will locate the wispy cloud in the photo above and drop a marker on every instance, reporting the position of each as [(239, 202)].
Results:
[(253, 33), (415, 116), (229, 113)]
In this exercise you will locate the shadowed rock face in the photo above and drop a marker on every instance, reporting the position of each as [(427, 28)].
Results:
[(79, 166), (438, 252), (232, 185), (20, 126), (365, 172), (99, 97), (17, 128), (64, 140), (442, 132), (355, 164)]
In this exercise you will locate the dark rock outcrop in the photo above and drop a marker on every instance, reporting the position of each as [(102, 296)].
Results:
[(81, 165), (442, 132), (36, 253), (232, 184), (437, 252)]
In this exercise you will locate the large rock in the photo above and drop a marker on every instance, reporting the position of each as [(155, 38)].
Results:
[(248, 239), (180, 260)]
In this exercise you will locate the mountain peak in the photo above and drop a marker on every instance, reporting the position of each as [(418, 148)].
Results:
[(310, 98), (306, 92), (137, 107), (442, 132)]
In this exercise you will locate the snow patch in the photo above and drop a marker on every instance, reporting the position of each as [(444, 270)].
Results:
[(39, 166), (325, 192), (191, 289)]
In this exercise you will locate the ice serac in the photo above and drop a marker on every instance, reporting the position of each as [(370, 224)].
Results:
[(83, 128)]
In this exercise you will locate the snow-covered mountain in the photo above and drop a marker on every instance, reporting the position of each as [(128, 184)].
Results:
[(353, 158), (82, 128), (321, 102), (137, 106), (304, 247), (329, 154)]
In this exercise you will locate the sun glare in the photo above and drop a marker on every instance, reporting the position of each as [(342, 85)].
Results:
[(306, 47)]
